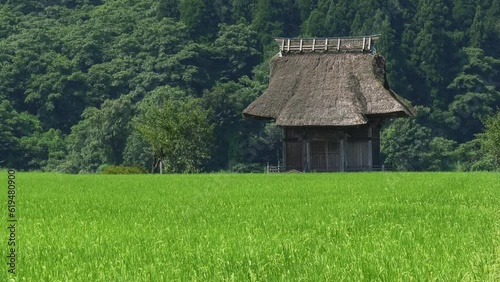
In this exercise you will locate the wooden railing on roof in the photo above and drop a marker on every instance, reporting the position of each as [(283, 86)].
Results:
[(333, 44)]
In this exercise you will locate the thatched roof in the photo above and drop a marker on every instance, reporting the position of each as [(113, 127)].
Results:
[(327, 89)]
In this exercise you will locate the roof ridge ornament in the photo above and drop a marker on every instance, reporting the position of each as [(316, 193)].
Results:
[(363, 44)]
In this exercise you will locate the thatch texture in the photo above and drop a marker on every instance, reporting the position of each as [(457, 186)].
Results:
[(327, 89)]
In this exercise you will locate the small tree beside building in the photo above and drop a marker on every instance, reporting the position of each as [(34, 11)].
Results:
[(178, 132)]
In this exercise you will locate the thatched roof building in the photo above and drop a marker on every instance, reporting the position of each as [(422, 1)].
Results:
[(328, 83), (324, 89)]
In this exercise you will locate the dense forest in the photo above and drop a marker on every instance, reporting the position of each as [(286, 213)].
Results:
[(89, 83)]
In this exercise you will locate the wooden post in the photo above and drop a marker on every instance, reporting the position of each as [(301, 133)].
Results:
[(370, 43), (338, 45), (282, 45), (283, 151), (326, 44), (308, 155), (342, 155), (326, 155), (370, 147), (300, 46), (304, 156), (314, 43), (288, 47), (364, 43)]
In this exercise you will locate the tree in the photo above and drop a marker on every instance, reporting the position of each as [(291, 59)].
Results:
[(100, 137), (198, 17), (137, 151), (237, 45), (471, 156), (428, 55), (408, 145), (167, 8), (44, 150), (14, 127), (178, 132), (491, 138), (59, 58), (242, 9), (474, 97), (403, 143), (9, 142)]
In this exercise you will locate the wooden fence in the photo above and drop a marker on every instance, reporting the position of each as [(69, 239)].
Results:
[(281, 168)]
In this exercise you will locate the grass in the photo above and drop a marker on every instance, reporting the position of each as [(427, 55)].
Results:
[(278, 227)]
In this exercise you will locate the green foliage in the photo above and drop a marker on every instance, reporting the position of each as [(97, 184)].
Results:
[(408, 145), (44, 150), (60, 60), (474, 97), (178, 132), (15, 128), (237, 44), (122, 169), (99, 138), (471, 156), (403, 143), (247, 168), (201, 17), (491, 139), (137, 151), (227, 101)]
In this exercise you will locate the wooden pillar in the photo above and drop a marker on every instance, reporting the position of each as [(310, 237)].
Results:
[(283, 150), (304, 155), (342, 154), (326, 156), (370, 147), (308, 154), (306, 151)]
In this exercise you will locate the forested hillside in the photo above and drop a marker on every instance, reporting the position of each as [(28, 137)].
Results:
[(90, 83)]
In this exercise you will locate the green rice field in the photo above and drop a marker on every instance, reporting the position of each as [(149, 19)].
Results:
[(256, 227)]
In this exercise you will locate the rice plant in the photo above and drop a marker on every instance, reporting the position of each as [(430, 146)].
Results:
[(258, 227)]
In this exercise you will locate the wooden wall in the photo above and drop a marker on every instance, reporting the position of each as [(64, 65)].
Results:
[(332, 148)]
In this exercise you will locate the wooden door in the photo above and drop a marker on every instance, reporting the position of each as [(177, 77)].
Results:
[(294, 155)]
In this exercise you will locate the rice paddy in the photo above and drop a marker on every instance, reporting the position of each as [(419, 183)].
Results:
[(257, 227)]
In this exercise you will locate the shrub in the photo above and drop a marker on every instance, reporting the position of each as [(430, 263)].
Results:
[(247, 168), (121, 169)]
